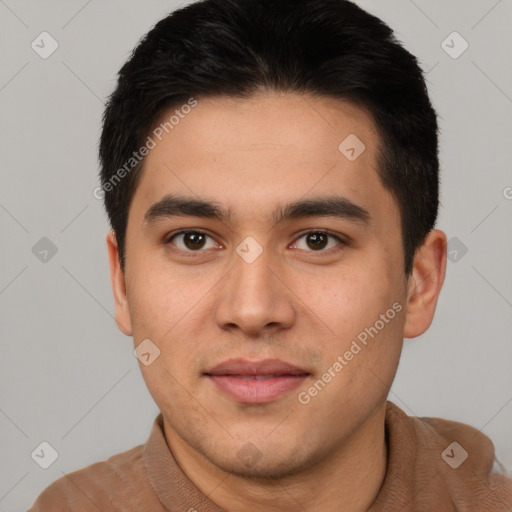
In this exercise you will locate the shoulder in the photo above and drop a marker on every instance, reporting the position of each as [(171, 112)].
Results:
[(466, 459), (95, 487)]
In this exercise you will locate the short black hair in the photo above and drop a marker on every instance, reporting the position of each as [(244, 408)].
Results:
[(326, 48)]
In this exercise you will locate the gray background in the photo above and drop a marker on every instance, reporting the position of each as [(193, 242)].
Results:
[(69, 377)]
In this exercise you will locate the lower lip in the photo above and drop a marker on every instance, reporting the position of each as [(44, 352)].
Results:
[(254, 391)]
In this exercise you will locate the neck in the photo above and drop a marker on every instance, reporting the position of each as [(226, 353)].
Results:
[(349, 478)]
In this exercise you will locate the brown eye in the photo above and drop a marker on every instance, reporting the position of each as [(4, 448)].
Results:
[(317, 241), (194, 240), (191, 241)]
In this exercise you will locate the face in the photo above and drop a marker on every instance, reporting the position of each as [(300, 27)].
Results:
[(279, 325)]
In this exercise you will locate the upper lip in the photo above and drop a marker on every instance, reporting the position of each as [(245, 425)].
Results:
[(240, 366)]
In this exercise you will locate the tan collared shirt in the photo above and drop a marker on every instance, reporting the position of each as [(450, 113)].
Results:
[(423, 475)]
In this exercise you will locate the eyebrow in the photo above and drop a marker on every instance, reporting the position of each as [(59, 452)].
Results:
[(329, 206)]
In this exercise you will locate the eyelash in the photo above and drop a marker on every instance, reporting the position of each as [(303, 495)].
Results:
[(190, 253)]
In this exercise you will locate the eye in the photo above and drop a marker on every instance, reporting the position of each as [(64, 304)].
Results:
[(313, 241), (192, 241), (318, 241)]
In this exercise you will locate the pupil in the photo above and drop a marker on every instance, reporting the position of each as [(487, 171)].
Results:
[(319, 240), (194, 240)]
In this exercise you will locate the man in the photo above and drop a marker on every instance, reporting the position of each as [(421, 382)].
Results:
[(270, 172)]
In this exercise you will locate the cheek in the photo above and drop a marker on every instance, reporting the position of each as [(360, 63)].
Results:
[(170, 309), (347, 299), (364, 310), (162, 298)]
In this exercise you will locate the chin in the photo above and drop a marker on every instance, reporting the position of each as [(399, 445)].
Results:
[(252, 464)]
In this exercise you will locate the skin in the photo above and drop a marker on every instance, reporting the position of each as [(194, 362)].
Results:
[(295, 302)]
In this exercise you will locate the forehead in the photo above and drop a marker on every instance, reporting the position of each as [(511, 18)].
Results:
[(285, 120), (251, 154)]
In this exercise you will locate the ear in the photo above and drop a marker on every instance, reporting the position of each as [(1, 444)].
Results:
[(425, 283), (123, 319)]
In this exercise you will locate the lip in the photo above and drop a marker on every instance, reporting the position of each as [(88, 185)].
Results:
[(256, 382)]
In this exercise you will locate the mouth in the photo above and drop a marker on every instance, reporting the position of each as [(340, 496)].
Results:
[(256, 382)]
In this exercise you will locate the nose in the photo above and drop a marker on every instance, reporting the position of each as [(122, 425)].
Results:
[(254, 297)]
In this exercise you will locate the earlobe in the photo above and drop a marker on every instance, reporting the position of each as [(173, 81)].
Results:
[(425, 283), (122, 312)]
